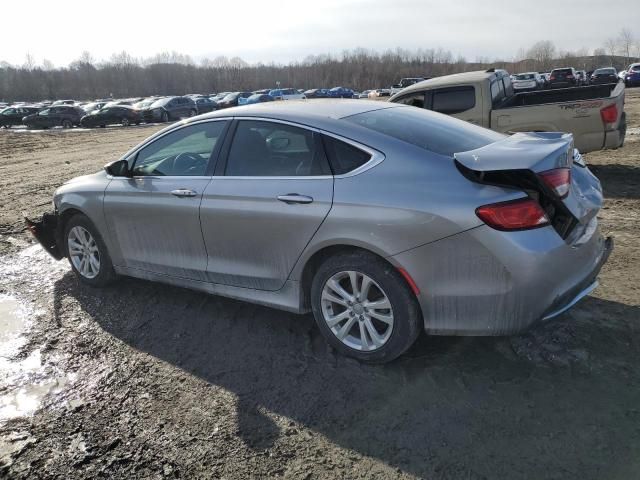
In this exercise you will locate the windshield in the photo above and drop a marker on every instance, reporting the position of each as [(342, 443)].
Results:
[(159, 103), (425, 129)]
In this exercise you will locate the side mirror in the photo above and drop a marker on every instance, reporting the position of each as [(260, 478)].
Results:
[(118, 168)]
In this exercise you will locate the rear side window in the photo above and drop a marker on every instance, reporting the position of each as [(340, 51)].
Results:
[(427, 130), (344, 158), (415, 100), (455, 100)]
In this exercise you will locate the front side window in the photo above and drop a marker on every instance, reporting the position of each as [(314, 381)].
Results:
[(456, 100), (269, 149), (415, 100), (44, 112), (183, 152)]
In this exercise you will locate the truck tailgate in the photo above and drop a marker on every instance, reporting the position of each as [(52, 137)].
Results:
[(582, 118)]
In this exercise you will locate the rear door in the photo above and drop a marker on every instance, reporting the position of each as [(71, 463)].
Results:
[(264, 204), (153, 217)]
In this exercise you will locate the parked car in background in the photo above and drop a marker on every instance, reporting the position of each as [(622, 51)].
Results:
[(621, 74), (527, 81), (90, 107), (232, 99), (594, 114), (404, 83), (144, 104), (64, 102), (205, 105), (286, 94), (65, 116), (124, 115), (379, 92), (217, 98), (545, 78), (259, 98), (446, 247), (170, 109), (632, 77), (317, 93), (604, 75), (583, 79), (563, 78), (364, 94), (13, 115), (340, 92)]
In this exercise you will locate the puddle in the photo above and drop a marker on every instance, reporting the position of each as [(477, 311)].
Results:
[(26, 382)]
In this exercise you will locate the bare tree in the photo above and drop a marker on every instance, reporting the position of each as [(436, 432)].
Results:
[(626, 42), (47, 65), (542, 53), (611, 46), (29, 61)]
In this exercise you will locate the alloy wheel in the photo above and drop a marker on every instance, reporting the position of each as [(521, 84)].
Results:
[(83, 252), (357, 311)]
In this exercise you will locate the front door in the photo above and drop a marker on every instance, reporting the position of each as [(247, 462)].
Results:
[(261, 212), (153, 217)]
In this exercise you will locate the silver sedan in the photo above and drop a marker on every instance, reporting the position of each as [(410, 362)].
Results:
[(382, 219)]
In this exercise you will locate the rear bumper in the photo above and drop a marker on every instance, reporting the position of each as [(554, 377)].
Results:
[(486, 282), (45, 231)]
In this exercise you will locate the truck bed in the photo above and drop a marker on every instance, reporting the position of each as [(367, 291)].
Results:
[(541, 97)]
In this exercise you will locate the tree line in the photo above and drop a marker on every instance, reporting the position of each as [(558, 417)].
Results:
[(172, 73)]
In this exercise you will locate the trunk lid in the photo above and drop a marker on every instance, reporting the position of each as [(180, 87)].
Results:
[(517, 162)]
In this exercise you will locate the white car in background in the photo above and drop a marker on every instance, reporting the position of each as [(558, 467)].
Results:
[(527, 81), (286, 94)]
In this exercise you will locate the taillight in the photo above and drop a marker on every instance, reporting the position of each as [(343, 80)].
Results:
[(552, 77), (521, 214), (558, 180), (609, 114)]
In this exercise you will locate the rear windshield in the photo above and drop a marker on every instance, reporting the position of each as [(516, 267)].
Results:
[(605, 71), (563, 71), (525, 76), (425, 129)]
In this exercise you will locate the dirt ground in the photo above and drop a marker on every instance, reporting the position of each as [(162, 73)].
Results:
[(150, 381)]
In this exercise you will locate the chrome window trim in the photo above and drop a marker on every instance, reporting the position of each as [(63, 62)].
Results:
[(169, 129)]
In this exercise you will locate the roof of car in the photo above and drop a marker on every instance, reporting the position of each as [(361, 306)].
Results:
[(456, 78), (296, 109)]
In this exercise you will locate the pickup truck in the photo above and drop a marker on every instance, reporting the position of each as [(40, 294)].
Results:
[(593, 114)]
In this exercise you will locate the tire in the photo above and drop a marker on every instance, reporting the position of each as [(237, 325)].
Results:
[(402, 321), (165, 117), (192, 113), (125, 122), (74, 231), (67, 123)]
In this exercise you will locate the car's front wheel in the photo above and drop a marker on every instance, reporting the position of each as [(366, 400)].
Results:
[(67, 123), (87, 252), (364, 307)]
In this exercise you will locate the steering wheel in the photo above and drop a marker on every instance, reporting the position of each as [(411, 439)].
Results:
[(187, 162)]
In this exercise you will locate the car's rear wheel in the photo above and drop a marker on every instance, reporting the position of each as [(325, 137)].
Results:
[(87, 252), (67, 123), (192, 113), (364, 307), (125, 122)]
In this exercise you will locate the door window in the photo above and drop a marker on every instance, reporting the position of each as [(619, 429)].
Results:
[(183, 152), (455, 100), (269, 149), (415, 100)]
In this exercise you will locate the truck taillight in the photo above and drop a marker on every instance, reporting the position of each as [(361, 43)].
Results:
[(569, 76), (609, 114), (552, 77), (558, 180), (521, 214)]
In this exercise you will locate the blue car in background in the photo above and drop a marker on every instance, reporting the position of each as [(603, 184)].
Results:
[(317, 93), (632, 77), (341, 92)]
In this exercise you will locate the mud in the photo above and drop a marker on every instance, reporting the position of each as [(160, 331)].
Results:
[(161, 382)]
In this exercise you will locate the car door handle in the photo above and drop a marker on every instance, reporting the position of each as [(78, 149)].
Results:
[(290, 198), (183, 192)]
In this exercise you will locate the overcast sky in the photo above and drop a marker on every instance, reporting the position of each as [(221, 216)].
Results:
[(285, 30)]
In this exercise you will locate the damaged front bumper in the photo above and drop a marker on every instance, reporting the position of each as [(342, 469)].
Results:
[(45, 230)]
